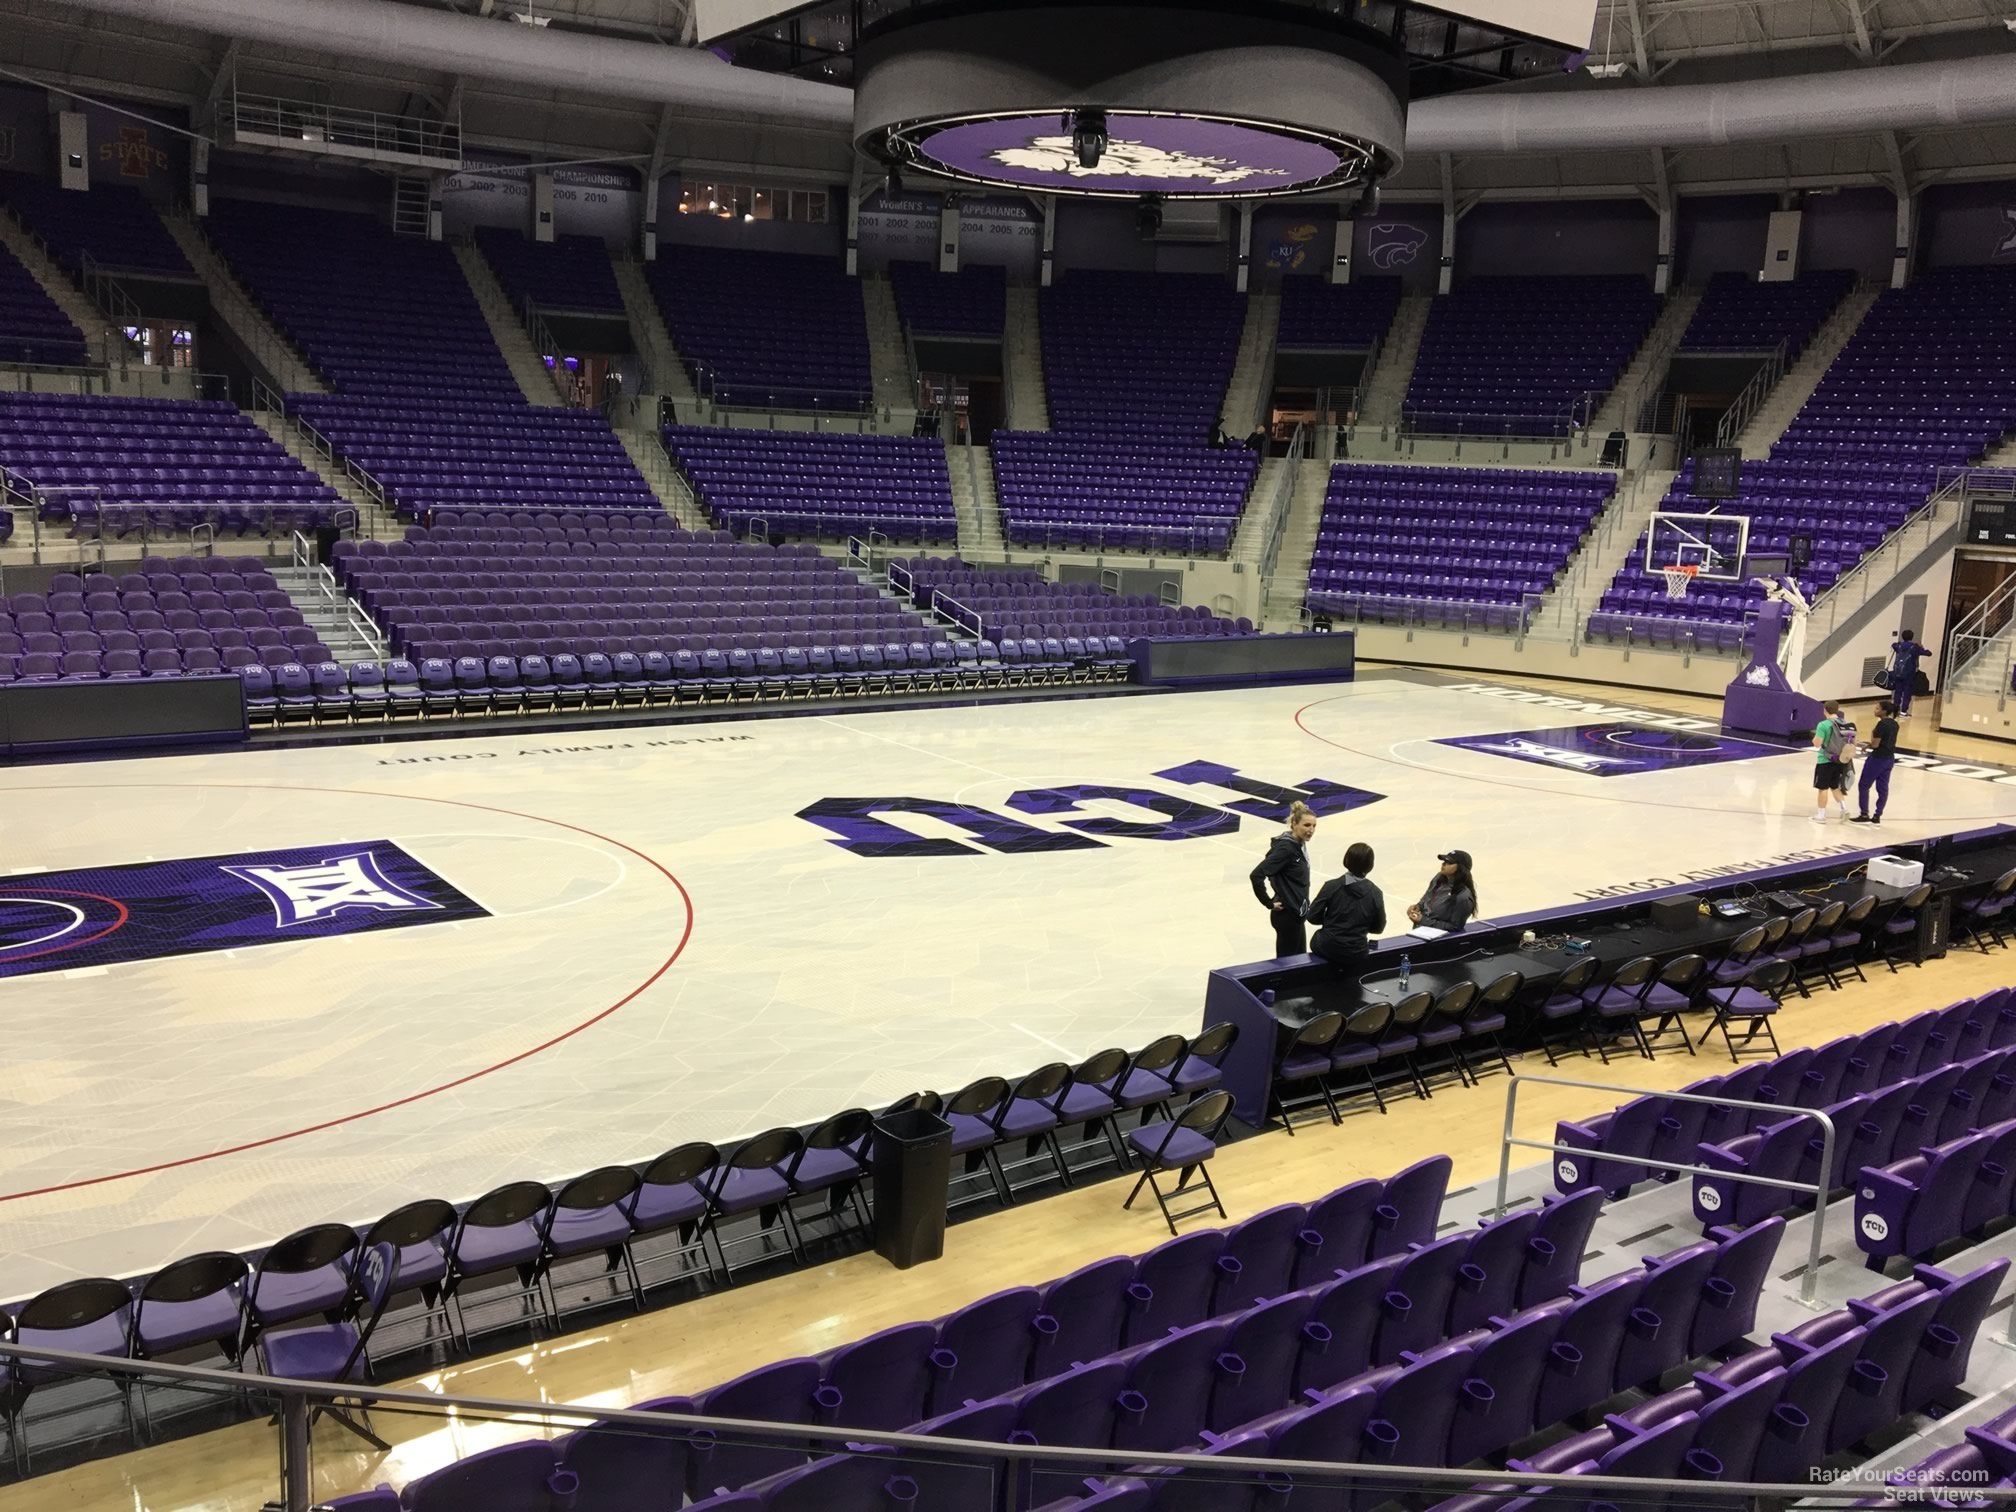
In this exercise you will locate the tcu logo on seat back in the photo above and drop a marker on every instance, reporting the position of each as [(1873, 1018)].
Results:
[(864, 831)]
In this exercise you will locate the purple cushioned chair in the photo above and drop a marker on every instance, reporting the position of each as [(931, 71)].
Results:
[(338, 1352)]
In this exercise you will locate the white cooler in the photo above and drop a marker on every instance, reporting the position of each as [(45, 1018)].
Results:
[(1895, 871)]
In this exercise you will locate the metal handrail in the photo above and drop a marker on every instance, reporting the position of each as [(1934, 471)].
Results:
[(1263, 393), (1809, 1282), (242, 314), (546, 346), (1852, 589), (953, 612), (1284, 501), (297, 1398), (1751, 397), (121, 309)]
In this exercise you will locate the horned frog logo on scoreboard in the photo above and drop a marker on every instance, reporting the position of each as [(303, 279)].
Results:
[(1125, 159)]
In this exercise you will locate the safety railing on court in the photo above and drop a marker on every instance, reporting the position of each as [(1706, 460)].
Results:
[(80, 517), (1879, 569), (1751, 397), (1283, 504), (1013, 1477), (1470, 616), (1436, 420), (1656, 632), (326, 450), (869, 554), (1194, 540), (902, 580), (1817, 1246), (774, 399)]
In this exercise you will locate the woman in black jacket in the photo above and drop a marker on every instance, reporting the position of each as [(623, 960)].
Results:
[(1451, 899), (1349, 912), (1286, 866)]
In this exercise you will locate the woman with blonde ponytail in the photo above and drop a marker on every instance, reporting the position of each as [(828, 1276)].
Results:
[(1281, 880)]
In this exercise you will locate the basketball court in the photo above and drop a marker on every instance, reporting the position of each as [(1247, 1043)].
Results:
[(254, 991)]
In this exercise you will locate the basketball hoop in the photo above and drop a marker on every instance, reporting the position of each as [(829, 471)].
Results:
[(1677, 580)]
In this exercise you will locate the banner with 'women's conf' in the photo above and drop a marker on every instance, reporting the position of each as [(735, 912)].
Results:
[(105, 916)]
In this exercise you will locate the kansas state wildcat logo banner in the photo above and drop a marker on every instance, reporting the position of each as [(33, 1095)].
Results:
[(105, 916)]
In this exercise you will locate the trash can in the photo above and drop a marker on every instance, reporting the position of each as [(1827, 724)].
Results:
[(910, 1162)]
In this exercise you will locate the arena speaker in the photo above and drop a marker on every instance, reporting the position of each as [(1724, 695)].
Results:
[(1151, 102)]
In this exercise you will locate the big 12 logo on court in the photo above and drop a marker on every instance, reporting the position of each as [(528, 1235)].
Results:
[(872, 826)]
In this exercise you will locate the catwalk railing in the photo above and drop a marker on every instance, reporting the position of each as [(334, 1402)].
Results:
[(966, 1472)]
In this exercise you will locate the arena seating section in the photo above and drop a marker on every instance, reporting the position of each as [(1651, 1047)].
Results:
[(1739, 314), (1481, 535), (1016, 602), (972, 302), (112, 224), (1520, 356), (165, 464), (1319, 315), (818, 483), (188, 615), (766, 329), (1924, 384), (567, 273), (33, 328), (1065, 489), (373, 313), (1136, 366), (449, 453), (424, 401), (468, 589)]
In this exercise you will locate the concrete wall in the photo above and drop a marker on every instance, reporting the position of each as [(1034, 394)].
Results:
[(1840, 676)]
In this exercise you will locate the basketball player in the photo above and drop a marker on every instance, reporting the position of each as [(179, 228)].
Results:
[(1828, 741)]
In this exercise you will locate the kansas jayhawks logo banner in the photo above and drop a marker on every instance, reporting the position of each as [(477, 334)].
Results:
[(105, 916)]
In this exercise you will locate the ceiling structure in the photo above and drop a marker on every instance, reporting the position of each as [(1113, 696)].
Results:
[(1642, 44)]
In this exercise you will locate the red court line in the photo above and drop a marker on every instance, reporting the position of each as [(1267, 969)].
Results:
[(664, 966), (67, 944)]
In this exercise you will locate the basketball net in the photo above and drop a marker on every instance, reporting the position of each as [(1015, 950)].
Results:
[(1677, 580)]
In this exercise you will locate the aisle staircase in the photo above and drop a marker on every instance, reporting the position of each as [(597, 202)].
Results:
[(535, 380), (1252, 381), (1022, 359), (1786, 400), (1382, 390), (1645, 374), (374, 520), (286, 369), (894, 380), (70, 299), (1282, 593), (975, 502), (672, 490), (1611, 543), (327, 610), (669, 378)]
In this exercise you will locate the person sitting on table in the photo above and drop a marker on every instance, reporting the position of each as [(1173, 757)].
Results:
[(1451, 899), (1350, 911)]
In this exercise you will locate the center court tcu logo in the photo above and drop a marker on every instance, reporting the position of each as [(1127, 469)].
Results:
[(864, 831), (303, 893)]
